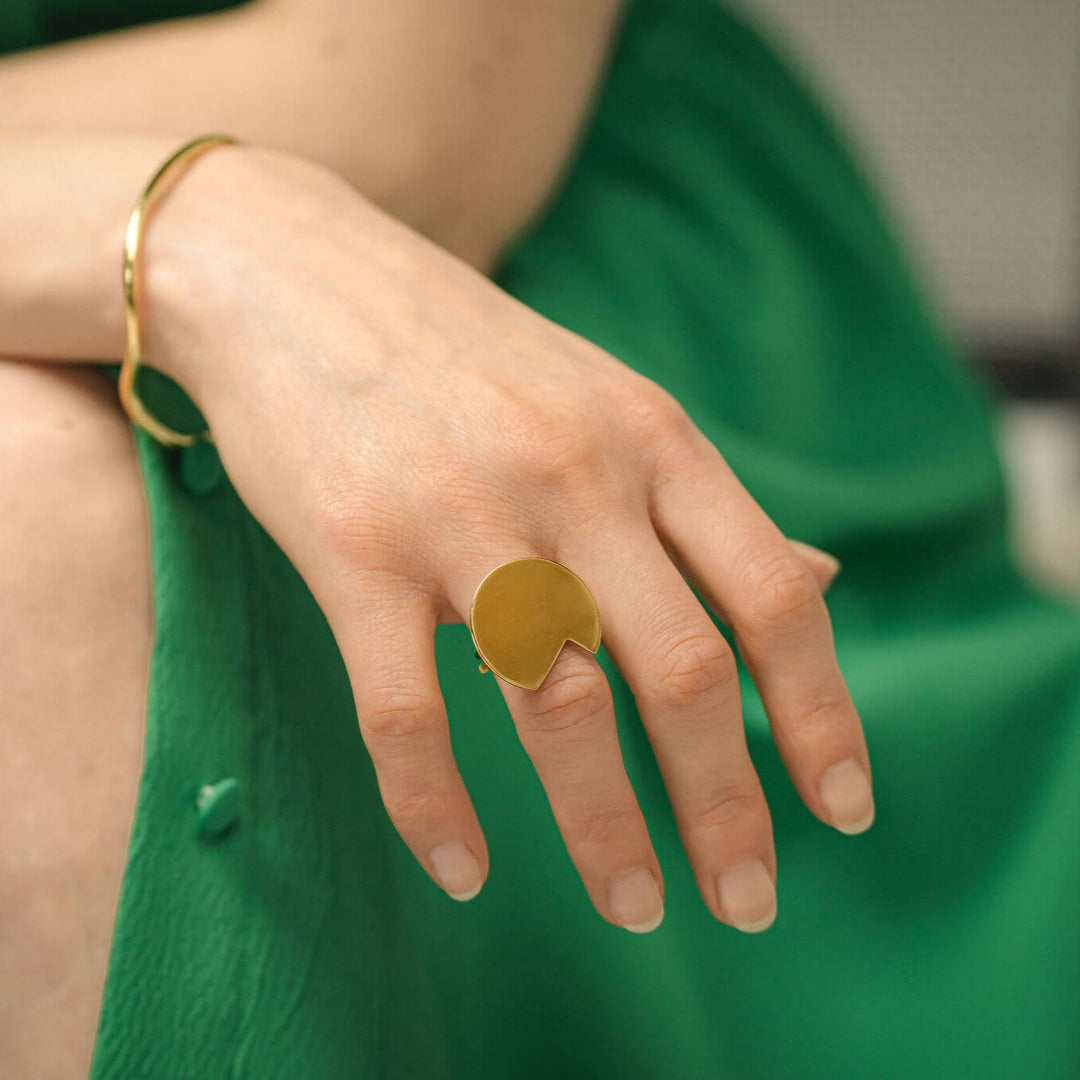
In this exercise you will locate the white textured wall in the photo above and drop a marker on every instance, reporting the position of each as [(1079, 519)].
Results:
[(971, 111)]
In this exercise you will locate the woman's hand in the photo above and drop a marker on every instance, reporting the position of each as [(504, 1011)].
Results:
[(401, 426)]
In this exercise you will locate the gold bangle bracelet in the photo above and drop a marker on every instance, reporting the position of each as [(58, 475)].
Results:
[(133, 357)]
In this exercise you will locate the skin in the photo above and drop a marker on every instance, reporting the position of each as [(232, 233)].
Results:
[(75, 624), (396, 468), (431, 429), (456, 118)]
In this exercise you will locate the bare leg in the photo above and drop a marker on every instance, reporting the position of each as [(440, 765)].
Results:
[(75, 634)]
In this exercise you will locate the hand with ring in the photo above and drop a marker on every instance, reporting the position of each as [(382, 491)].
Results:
[(402, 428)]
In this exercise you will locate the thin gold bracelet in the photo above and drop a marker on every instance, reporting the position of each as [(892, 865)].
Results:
[(133, 357)]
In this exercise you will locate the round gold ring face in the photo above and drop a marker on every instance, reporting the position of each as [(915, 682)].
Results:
[(524, 612)]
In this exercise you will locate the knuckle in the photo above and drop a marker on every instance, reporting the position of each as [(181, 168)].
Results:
[(395, 713), (603, 829), (352, 527), (556, 447), (782, 591), (729, 811), (657, 416), (816, 722), (420, 806), (567, 701), (694, 665)]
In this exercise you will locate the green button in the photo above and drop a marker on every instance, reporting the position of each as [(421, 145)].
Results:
[(219, 806), (201, 471)]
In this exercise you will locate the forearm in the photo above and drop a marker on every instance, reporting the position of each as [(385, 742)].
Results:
[(457, 119), (66, 203), (66, 199)]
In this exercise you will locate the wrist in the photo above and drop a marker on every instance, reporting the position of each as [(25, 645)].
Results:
[(209, 249), (181, 273)]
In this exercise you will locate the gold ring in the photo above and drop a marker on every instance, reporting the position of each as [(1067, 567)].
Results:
[(524, 612)]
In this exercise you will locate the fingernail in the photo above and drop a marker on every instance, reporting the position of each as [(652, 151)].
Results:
[(747, 896), (829, 563), (833, 564), (845, 791), (457, 870), (635, 901)]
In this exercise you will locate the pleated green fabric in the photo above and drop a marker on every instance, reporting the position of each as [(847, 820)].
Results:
[(714, 234)]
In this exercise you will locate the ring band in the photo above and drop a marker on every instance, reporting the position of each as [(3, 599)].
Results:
[(524, 612)]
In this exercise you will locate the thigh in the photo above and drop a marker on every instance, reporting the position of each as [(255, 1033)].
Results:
[(75, 633)]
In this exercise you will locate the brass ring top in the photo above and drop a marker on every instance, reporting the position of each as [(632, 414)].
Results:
[(524, 612)]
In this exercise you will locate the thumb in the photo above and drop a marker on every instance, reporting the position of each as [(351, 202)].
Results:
[(822, 565)]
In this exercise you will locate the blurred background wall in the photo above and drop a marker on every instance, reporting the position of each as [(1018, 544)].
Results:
[(968, 112)]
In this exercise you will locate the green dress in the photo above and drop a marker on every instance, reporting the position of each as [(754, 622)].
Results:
[(714, 234)]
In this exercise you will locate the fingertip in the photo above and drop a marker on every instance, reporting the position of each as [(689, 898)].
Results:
[(457, 870), (635, 901), (747, 896), (848, 799)]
